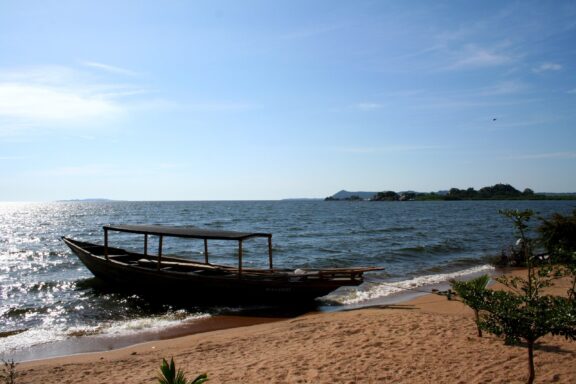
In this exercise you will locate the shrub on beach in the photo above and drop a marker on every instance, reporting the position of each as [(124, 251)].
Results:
[(558, 236), (472, 293), (556, 243), (523, 312), (9, 372)]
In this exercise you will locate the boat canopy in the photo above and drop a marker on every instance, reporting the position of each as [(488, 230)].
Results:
[(190, 233), (187, 232)]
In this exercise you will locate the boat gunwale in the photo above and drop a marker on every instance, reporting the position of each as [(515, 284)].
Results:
[(323, 273)]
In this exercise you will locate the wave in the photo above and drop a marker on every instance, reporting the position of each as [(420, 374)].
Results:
[(125, 327), (376, 290), (43, 335), (29, 338)]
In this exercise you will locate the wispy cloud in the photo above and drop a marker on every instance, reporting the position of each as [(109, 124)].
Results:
[(490, 95), (504, 88), (389, 149), (368, 106), (109, 68), (57, 96), (546, 155), (547, 67), (221, 106), (39, 103), (472, 56)]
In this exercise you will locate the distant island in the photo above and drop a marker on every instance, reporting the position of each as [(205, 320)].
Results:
[(494, 192)]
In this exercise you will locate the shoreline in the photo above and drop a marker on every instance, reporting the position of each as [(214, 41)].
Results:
[(86, 344), (428, 339)]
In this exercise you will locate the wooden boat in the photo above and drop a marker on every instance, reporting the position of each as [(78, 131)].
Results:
[(202, 281)]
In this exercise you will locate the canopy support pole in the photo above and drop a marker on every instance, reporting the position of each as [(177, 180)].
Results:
[(206, 251), (145, 244), (160, 251), (270, 252), (239, 259), (106, 244)]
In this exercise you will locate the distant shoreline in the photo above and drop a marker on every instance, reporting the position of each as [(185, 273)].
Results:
[(559, 197), (490, 193)]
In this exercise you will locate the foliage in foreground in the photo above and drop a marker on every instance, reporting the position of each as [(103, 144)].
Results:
[(9, 372), (472, 293), (518, 318), (558, 237), (523, 313), (169, 375)]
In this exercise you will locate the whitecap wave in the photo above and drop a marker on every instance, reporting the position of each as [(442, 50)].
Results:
[(152, 323), (29, 338), (377, 290)]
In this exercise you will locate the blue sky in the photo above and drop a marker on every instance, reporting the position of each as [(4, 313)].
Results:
[(212, 100)]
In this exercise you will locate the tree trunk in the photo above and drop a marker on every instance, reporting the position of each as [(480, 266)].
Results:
[(478, 322), (531, 362)]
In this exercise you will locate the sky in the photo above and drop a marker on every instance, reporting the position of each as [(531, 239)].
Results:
[(254, 100)]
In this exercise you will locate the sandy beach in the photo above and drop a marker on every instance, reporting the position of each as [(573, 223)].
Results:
[(426, 340)]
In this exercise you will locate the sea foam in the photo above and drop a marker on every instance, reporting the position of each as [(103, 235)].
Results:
[(38, 336), (373, 291)]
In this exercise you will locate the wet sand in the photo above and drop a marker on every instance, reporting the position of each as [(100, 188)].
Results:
[(426, 340)]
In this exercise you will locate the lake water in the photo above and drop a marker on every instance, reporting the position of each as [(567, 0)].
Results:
[(48, 297)]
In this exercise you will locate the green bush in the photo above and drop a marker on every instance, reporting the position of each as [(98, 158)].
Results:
[(558, 236), (472, 293), (9, 372), (524, 312)]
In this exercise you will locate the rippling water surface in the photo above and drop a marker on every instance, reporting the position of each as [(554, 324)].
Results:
[(46, 294)]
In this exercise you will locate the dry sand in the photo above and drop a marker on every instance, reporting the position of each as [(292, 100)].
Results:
[(426, 340)]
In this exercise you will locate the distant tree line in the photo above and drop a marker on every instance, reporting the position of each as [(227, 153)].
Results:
[(494, 192), (393, 196)]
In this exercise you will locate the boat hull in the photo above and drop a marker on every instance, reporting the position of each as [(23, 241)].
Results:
[(204, 286)]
